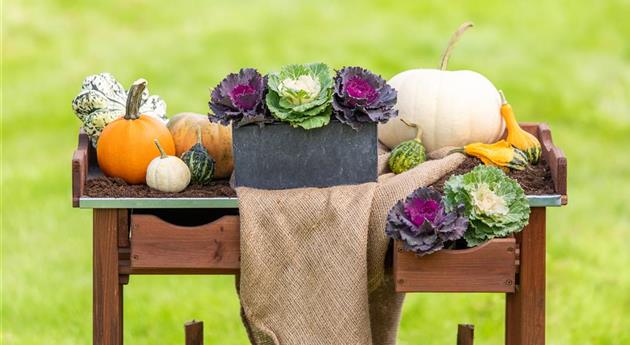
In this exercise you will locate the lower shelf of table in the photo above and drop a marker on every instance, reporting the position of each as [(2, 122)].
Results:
[(172, 242)]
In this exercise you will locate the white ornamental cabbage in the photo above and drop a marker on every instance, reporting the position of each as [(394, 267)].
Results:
[(301, 90), (301, 95), (488, 202), (495, 204)]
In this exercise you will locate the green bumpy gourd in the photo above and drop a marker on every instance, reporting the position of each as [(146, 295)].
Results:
[(200, 162), (407, 154), (519, 161)]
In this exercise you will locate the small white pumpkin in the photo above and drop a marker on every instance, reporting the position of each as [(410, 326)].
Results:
[(453, 108), (167, 173)]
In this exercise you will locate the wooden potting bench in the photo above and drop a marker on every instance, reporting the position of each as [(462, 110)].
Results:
[(134, 236)]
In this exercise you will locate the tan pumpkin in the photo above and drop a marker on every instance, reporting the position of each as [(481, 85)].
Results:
[(217, 139)]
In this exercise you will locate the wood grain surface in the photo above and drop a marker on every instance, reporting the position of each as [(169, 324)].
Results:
[(107, 290), (525, 308), (161, 247), (490, 267)]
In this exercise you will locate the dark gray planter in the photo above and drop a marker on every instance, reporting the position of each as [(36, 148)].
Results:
[(278, 156)]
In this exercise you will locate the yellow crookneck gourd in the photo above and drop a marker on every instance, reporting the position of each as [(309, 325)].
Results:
[(500, 154), (518, 137)]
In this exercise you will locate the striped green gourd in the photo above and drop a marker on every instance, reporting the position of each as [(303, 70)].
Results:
[(407, 154), (200, 162), (519, 161)]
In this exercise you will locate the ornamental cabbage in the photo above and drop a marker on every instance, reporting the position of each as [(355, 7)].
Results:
[(301, 95), (423, 224), (494, 203), (238, 99), (362, 96)]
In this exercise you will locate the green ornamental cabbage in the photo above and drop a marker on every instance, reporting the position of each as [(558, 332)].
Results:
[(495, 204), (301, 95)]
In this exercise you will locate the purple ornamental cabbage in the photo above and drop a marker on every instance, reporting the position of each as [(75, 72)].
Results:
[(361, 97), (239, 99), (422, 223)]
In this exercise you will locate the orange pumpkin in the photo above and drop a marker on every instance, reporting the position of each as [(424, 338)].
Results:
[(217, 139), (126, 146)]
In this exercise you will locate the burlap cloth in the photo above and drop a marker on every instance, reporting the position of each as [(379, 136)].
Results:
[(313, 260)]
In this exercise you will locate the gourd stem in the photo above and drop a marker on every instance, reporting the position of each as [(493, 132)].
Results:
[(418, 129), (451, 43), (199, 135), (134, 97), (457, 150), (162, 153)]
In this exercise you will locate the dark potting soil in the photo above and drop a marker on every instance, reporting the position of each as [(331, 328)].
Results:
[(108, 187), (535, 179)]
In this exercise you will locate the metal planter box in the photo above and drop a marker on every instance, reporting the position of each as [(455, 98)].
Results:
[(278, 156)]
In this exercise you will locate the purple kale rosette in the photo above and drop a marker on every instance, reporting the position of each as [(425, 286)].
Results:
[(239, 99), (361, 96), (422, 223)]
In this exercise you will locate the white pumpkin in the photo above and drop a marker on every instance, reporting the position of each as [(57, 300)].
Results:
[(167, 173), (453, 108)]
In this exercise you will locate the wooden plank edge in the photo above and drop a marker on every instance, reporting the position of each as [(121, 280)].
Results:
[(125, 269), (552, 200), (556, 159), (79, 168), (225, 222), (123, 228), (491, 243), (507, 289), (216, 203)]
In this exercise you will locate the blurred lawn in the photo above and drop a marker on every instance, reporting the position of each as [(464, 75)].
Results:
[(563, 62)]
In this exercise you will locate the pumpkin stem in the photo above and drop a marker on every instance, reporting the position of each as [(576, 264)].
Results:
[(418, 129), (134, 97), (451, 44), (503, 99), (507, 113), (199, 139), (162, 153)]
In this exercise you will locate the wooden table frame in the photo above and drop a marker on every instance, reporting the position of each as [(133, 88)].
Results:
[(524, 312), (117, 254)]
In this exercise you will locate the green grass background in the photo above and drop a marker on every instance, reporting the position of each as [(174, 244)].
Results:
[(563, 62)]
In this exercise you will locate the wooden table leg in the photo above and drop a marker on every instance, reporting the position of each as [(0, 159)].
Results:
[(525, 309), (465, 334), (107, 290), (194, 332)]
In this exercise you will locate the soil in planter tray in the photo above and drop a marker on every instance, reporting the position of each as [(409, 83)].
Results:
[(535, 180), (107, 187)]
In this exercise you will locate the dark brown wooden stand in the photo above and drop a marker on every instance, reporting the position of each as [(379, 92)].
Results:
[(514, 266), (126, 244), (525, 307), (206, 241), (108, 283)]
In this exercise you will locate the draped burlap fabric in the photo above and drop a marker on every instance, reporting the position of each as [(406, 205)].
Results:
[(313, 259)]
